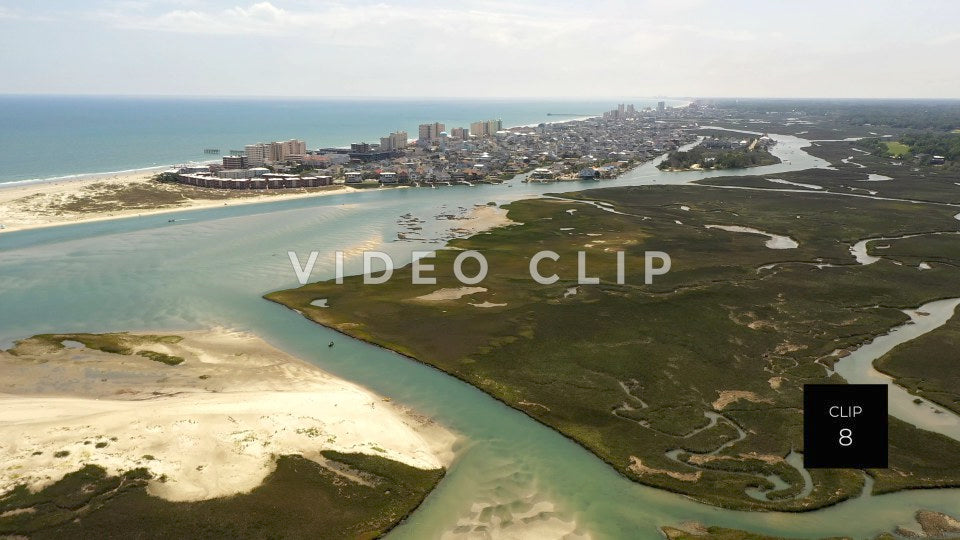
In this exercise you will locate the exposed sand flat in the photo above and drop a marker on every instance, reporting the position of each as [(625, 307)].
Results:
[(487, 305), (637, 466), (484, 218), (776, 241), (212, 425), (730, 396), (440, 295), (701, 459), (789, 183), (35, 205)]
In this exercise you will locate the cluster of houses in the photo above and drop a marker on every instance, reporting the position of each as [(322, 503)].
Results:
[(592, 148)]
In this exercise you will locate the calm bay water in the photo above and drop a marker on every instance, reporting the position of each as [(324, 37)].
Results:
[(211, 266), (51, 136)]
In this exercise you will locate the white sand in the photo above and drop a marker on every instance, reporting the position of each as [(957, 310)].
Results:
[(776, 241), (210, 437), (33, 205), (440, 295), (789, 183), (483, 218)]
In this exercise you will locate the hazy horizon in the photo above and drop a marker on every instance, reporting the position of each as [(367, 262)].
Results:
[(481, 49), (557, 99)]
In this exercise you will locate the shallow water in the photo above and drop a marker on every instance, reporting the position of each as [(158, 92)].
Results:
[(211, 268), (857, 368)]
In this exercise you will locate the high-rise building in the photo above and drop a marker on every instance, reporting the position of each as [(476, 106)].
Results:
[(460, 133), (430, 132), (272, 152), (485, 129), (256, 154), (360, 147), (395, 141), (291, 148), (234, 162), (661, 106)]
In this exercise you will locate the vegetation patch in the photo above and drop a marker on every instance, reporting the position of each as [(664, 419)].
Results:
[(630, 370), (89, 503), (167, 359), (721, 153), (896, 149), (119, 343), (927, 365)]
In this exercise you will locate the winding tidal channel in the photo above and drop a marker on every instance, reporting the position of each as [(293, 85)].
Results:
[(211, 267)]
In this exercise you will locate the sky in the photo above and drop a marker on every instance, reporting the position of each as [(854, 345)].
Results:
[(482, 49)]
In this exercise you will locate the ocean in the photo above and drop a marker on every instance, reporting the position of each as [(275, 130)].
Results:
[(59, 136)]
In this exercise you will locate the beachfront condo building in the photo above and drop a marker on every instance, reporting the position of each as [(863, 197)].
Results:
[(485, 129), (291, 149), (273, 152), (395, 141), (235, 162), (431, 132)]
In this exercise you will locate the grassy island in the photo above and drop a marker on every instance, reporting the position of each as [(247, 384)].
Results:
[(721, 153), (300, 499)]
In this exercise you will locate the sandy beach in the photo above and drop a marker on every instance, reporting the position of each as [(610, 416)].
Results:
[(208, 427), (122, 195)]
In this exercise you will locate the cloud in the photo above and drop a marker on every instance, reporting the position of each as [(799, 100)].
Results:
[(945, 39), (494, 22), (20, 15), (495, 47)]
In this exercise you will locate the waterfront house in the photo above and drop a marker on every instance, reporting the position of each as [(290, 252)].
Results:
[(387, 177)]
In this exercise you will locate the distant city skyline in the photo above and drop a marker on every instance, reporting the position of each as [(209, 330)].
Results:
[(481, 49)]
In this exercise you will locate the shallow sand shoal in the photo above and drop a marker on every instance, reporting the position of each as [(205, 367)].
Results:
[(212, 426)]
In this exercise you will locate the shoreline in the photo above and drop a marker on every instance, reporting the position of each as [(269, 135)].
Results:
[(158, 168), (23, 218), (77, 177), (65, 187), (683, 102), (288, 407)]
